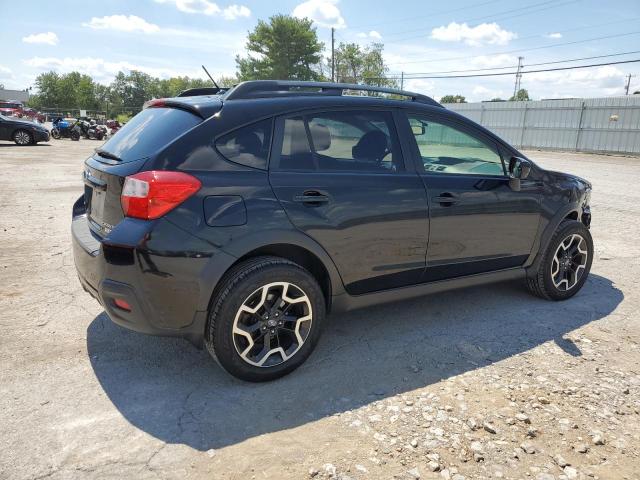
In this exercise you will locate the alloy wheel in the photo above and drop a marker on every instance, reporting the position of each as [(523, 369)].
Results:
[(569, 262), (22, 138), (272, 324)]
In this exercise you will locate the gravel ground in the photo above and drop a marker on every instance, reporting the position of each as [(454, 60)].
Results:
[(483, 383)]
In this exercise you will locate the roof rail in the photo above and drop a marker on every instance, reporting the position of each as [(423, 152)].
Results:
[(273, 88), (193, 92)]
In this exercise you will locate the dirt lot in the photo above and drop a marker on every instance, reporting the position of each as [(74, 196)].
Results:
[(484, 383)]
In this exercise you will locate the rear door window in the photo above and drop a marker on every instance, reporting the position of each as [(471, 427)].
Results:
[(341, 141), (149, 131), (247, 145)]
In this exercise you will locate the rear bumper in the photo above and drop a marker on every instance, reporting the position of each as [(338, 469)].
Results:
[(151, 311)]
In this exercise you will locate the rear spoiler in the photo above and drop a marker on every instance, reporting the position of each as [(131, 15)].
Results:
[(202, 107), (194, 92)]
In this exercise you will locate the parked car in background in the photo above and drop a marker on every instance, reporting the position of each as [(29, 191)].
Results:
[(33, 115), (238, 220), (11, 108), (22, 132)]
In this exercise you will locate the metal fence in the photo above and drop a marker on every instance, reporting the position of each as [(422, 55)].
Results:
[(610, 125)]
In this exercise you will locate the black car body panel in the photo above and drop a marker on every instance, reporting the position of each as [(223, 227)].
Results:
[(368, 237), (9, 126)]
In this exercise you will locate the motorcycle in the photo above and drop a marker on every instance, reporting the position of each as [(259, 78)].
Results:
[(91, 130), (66, 128)]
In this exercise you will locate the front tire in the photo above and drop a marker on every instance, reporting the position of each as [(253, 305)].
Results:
[(265, 319), (22, 138), (75, 136), (566, 263)]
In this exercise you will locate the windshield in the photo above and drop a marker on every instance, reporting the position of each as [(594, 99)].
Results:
[(149, 131), (10, 105)]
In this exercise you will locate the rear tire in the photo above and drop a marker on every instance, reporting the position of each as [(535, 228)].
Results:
[(23, 137), (566, 263), (55, 133), (265, 319), (75, 136)]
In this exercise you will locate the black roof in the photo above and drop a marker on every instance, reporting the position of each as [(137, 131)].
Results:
[(279, 96), (293, 88)]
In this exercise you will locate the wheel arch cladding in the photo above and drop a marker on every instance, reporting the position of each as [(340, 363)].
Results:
[(570, 211), (301, 256)]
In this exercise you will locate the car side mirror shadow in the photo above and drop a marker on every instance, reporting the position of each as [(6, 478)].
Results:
[(519, 169)]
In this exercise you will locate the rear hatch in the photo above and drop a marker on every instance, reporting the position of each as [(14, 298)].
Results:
[(126, 154)]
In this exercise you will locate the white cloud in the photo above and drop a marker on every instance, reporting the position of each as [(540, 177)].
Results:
[(420, 85), (372, 34), (48, 38), (323, 12), (235, 11), (491, 61), (124, 23), (606, 77), (195, 6), (101, 69), (554, 35), (485, 33), (205, 7)]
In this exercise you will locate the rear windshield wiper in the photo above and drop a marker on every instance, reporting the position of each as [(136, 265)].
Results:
[(105, 154)]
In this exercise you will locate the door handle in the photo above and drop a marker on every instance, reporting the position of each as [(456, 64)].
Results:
[(446, 199), (311, 198)]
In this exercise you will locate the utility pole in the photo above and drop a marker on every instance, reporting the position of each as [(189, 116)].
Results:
[(516, 87), (401, 80), (333, 54), (626, 88)]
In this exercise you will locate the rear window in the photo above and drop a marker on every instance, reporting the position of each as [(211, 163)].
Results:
[(248, 145), (149, 131)]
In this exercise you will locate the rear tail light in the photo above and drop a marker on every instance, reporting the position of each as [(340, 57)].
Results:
[(149, 195)]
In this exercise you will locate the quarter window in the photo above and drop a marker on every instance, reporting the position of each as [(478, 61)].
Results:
[(361, 141), (248, 145), (445, 149)]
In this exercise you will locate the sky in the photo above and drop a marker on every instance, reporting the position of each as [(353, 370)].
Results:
[(174, 37)]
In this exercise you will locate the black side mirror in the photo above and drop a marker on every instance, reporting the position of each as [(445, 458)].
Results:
[(519, 169)]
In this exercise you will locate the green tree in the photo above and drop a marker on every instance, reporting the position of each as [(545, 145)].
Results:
[(225, 81), (355, 64), (453, 99), (285, 48), (637, 92), (521, 95), (497, 99), (47, 88)]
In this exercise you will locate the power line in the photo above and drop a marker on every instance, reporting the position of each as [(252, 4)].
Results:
[(408, 75), (520, 49), (431, 15), (494, 17), (522, 72), (583, 58)]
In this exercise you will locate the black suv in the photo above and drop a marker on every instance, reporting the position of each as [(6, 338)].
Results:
[(239, 218)]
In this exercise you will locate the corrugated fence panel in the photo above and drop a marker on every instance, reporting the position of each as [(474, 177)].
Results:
[(594, 124)]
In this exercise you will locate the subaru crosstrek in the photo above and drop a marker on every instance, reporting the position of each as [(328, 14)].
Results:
[(238, 219)]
